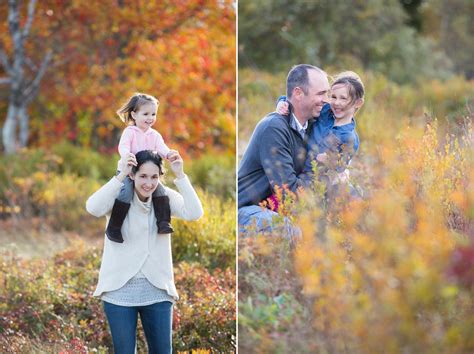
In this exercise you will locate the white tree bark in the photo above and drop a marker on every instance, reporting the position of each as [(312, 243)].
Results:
[(24, 125), (22, 89), (9, 129)]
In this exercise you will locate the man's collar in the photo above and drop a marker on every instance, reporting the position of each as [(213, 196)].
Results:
[(298, 125)]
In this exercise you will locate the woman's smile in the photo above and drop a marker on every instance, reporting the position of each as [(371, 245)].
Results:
[(148, 189)]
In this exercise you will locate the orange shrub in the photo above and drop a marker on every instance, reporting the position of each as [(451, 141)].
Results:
[(378, 271)]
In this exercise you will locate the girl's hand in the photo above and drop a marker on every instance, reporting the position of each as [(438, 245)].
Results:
[(282, 108), (322, 158), (176, 163), (125, 166), (170, 154)]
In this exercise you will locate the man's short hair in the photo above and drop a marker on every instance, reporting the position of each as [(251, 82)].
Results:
[(298, 77)]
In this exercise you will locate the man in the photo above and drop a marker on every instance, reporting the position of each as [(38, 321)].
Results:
[(276, 152)]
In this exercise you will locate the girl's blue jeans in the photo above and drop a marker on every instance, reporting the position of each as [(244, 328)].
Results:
[(156, 321)]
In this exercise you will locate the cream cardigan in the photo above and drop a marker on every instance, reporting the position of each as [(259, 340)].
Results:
[(143, 248)]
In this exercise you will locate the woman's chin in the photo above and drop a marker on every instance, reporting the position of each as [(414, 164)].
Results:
[(144, 195)]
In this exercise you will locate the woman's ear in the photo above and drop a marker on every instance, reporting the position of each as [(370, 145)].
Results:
[(132, 113), (131, 175)]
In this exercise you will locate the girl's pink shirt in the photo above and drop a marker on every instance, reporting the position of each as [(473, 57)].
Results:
[(133, 140)]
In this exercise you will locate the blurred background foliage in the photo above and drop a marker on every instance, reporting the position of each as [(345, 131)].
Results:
[(183, 53), (406, 40)]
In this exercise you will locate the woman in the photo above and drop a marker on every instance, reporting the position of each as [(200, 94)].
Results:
[(136, 276)]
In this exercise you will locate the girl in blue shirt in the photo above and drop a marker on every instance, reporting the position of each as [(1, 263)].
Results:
[(333, 140)]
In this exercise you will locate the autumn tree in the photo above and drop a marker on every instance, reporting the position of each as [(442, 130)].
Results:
[(450, 24), (370, 34), (181, 52), (22, 75)]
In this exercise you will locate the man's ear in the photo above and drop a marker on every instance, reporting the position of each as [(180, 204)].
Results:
[(297, 93)]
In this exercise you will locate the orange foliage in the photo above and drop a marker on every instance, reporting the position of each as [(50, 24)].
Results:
[(182, 52), (383, 272)]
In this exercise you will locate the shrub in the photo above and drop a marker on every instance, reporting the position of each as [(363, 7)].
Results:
[(211, 240), (85, 162), (273, 316), (55, 184), (214, 173), (50, 302), (380, 280), (206, 314)]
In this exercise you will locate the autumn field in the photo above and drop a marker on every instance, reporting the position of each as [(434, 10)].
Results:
[(390, 272), (51, 249)]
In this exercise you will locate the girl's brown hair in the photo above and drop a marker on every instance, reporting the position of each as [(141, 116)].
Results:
[(354, 83), (133, 105)]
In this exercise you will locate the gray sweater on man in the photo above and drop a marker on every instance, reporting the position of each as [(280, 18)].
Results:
[(275, 155)]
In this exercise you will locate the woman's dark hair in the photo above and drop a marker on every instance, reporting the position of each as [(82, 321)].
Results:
[(148, 156)]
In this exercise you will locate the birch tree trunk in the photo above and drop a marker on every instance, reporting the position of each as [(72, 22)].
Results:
[(23, 88), (24, 125), (9, 129)]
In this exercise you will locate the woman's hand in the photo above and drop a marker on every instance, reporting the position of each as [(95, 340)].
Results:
[(282, 108), (176, 163), (125, 166)]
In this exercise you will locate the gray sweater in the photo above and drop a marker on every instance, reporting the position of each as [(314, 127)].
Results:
[(275, 156)]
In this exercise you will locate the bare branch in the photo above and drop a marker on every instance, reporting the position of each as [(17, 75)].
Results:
[(4, 80), (29, 91), (15, 31), (29, 20), (30, 64), (4, 61)]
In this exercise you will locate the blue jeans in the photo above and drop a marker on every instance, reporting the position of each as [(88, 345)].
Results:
[(264, 220), (255, 215), (156, 321)]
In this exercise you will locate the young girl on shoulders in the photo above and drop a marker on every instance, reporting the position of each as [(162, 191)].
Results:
[(139, 113)]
